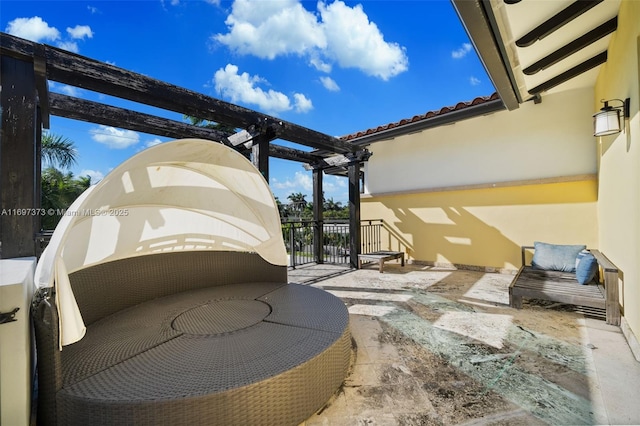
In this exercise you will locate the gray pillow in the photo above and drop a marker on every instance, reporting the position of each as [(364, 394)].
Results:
[(556, 257)]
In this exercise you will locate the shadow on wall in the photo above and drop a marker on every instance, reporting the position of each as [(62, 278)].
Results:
[(465, 240), (486, 227), (391, 239)]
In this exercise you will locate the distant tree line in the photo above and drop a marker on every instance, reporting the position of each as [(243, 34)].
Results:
[(299, 208)]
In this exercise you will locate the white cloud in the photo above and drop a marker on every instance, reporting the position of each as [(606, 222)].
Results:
[(37, 30), (153, 142), (462, 51), (355, 42), (243, 88), (71, 46), (34, 29), (114, 138), (302, 103), (344, 35), (336, 187), (93, 10), (66, 89), (301, 182), (80, 32), (70, 90), (320, 65), (267, 29), (95, 175), (329, 84), (334, 183), (474, 81)]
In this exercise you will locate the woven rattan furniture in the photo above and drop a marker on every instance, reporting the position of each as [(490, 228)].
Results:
[(163, 300), (190, 339)]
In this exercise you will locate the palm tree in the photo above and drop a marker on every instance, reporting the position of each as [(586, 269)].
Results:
[(58, 151), (201, 122), (282, 209), (332, 205), (298, 201), (59, 190)]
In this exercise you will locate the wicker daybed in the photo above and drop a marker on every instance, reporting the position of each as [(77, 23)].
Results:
[(178, 328)]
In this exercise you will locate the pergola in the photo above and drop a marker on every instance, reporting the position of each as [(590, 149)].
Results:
[(27, 104)]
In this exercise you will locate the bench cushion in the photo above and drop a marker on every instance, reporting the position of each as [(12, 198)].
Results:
[(556, 257)]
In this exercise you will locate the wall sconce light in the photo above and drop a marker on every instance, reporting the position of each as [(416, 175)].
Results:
[(607, 120)]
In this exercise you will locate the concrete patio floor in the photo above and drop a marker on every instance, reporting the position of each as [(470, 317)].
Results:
[(438, 346)]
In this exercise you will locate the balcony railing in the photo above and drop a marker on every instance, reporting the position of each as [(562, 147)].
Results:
[(299, 239)]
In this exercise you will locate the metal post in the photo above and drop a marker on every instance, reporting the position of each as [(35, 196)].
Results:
[(354, 212), (318, 224), (292, 245)]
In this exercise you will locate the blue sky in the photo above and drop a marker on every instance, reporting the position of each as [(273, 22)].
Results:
[(333, 66)]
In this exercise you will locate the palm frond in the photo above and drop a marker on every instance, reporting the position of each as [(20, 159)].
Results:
[(58, 151)]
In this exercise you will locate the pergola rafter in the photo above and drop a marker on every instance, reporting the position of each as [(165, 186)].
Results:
[(26, 68), (79, 71)]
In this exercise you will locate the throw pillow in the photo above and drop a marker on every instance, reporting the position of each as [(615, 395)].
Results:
[(586, 267), (556, 257)]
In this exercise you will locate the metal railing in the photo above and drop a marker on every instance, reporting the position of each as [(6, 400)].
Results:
[(299, 240), (371, 235), (42, 241)]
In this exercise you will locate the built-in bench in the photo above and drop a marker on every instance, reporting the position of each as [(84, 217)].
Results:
[(562, 287), (380, 257)]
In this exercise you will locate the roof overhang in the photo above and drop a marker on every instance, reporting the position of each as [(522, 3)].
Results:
[(446, 116), (476, 20), (531, 48)]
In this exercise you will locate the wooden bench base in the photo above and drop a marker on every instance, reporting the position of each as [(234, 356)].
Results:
[(554, 286), (380, 257), (562, 287)]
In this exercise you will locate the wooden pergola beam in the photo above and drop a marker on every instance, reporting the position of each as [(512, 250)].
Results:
[(45, 63), (79, 71), (338, 161), (94, 112), (286, 153)]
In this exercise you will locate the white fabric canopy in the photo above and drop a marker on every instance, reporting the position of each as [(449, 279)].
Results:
[(188, 194)]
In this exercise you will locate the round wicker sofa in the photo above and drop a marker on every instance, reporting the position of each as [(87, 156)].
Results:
[(191, 338)]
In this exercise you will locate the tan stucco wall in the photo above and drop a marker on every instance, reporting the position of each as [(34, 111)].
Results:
[(486, 227), (619, 162), (473, 192), (550, 139)]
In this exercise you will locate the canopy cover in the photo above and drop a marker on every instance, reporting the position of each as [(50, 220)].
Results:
[(188, 194)]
